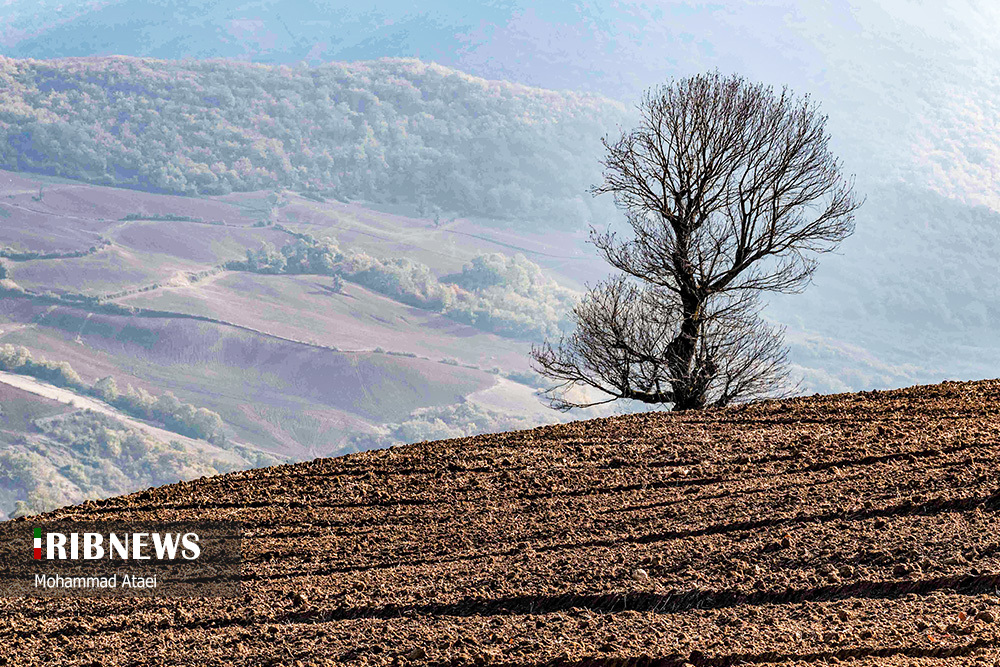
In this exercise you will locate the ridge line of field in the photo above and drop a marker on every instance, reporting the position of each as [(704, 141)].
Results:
[(659, 603), (150, 313), (769, 657)]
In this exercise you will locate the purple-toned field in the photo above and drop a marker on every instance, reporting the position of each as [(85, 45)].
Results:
[(106, 271), (279, 395), (82, 202), (306, 308), (255, 368), (195, 242), (19, 409)]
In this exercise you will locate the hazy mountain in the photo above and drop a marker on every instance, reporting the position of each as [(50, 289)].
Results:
[(913, 296)]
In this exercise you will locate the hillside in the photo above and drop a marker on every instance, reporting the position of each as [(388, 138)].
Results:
[(408, 289), (400, 330), (58, 447), (856, 529)]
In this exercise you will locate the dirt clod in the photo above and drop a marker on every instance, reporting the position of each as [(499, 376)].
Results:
[(416, 654)]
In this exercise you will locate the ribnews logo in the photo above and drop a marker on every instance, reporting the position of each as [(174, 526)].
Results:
[(135, 546), (201, 559)]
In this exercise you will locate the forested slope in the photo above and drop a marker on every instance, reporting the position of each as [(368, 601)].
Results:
[(385, 131)]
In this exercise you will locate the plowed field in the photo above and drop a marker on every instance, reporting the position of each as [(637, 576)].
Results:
[(857, 529)]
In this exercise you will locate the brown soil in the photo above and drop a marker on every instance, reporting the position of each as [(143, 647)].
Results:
[(855, 529)]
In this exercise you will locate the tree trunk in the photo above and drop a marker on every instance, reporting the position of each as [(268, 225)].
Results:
[(689, 387)]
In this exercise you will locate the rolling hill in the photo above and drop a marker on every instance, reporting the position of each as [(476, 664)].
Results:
[(851, 529), (133, 286)]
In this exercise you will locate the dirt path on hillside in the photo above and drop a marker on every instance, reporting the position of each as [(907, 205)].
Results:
[(68, 397)]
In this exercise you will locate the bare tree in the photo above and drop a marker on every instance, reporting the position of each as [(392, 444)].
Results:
[(730, 190)]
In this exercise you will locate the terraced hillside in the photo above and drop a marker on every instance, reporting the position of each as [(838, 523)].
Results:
[(857, 529)]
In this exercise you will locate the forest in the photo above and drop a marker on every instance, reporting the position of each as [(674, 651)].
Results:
[(392, 131)]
